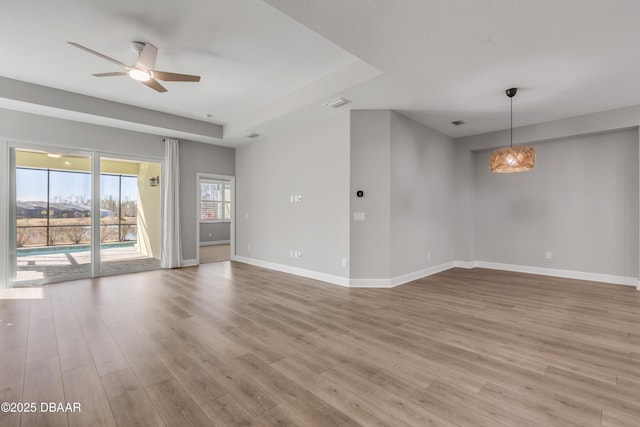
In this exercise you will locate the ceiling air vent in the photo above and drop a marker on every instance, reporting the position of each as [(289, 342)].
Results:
[(457, 122), (337, 103), (252, 135)]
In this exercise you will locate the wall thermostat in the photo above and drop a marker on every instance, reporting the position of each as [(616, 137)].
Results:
[(359, 193)]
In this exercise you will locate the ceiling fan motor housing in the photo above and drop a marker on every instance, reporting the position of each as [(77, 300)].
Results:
[(138, 46)]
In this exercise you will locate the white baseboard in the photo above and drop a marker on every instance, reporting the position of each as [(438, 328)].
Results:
[(464, 264), (215, 242), (329, 278), (406, 278), (370, 283), (400, 280), (189, 262), (568, 274)]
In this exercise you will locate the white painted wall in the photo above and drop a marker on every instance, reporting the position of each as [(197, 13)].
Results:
[(311, 161), (370, 251), (422, 184)]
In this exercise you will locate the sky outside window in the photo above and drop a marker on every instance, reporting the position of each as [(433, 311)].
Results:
[(69, 187)]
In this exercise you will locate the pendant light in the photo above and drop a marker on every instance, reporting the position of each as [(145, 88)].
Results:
[(512, 159)]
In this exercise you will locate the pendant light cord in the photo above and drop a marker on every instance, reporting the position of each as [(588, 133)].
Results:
[(511, 133)]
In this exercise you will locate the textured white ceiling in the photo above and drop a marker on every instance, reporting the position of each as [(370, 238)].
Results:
[(247, 52), (268, 65), (448, 60)]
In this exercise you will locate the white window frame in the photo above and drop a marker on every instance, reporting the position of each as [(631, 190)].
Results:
[(222, 182)]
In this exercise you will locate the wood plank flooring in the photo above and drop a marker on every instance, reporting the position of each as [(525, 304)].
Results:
[(229, 344), (214, 253)]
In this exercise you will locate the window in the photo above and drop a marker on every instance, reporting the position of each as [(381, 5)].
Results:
[(53, 207), (215, 201)]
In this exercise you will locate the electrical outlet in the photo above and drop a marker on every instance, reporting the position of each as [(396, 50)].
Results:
[(548, 255), (344, 262), (248, 248), (428, 255), (210, 234), (359, 216)]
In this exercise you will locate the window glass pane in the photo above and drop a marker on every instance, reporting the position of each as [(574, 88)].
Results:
[(109, 188), (118, 208), (69, 207), (31, 207), (208, 210), (215, 200)]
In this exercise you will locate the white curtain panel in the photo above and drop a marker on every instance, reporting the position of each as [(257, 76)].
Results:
[(171, 246)]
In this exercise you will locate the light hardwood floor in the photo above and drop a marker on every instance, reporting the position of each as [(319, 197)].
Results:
[(231, 344), (214, 253)]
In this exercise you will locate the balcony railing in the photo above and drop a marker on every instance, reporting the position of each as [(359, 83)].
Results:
[(69, 234)]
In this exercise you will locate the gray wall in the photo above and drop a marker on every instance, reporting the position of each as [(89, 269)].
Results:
[(580, 202), (406, 172), (589, 124), (311, 161), (24, 127), (422, 185), (196, 157), (370, 250), (219, 231)]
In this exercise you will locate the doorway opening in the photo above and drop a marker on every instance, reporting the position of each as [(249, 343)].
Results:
[(215, 210)]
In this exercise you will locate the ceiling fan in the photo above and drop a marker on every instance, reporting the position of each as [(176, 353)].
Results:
[(144, 69)]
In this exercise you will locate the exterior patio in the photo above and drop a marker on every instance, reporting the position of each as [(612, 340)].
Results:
[(114, 260)]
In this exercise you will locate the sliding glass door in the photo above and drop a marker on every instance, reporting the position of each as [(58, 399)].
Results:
[(61, 231), (130, 230), (52, 215)]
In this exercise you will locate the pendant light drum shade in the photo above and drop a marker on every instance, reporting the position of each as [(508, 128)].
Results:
[(512, 159)]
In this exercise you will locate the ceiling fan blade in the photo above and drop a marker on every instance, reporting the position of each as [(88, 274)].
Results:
[(115, 61), (147, 58), (175, 77), (115, 73), (153, 84)]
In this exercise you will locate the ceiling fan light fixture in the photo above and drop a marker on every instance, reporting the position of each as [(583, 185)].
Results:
[(512, 159), (144, 69), (139, 74)]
